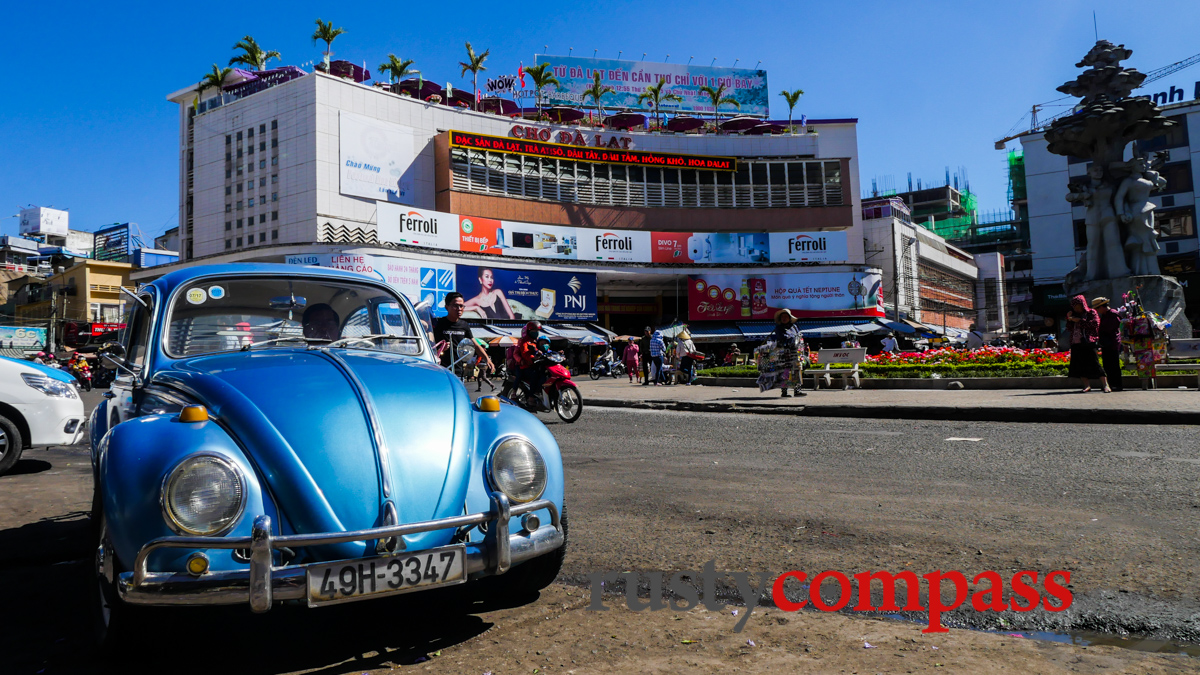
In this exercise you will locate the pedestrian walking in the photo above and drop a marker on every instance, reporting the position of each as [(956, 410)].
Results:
[(1110, 342), (889, 343), (685, 349), (630, 357), (785, 355), (1085, 330), (644, 350), (974, 338), (658, 349)]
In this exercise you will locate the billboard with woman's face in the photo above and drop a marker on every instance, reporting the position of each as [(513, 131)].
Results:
[(498, 293)]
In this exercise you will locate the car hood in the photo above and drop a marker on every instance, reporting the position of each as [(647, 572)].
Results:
[(305, 419)]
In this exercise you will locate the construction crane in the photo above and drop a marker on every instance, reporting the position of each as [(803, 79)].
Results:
[(1036, 124)]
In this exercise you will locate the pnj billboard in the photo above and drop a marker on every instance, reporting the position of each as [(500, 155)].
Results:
[(498, 293)]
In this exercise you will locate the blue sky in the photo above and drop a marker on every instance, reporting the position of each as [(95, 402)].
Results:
[(85, 123)]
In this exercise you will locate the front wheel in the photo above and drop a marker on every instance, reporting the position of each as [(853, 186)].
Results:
[(114, 622), (569, 405), (595, 374), (11, 445)]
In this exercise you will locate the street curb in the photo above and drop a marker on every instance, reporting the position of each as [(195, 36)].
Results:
[(943, 413)]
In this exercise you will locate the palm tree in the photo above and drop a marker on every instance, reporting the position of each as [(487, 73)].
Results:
[(655, 95), (597, 92), (717, 96), (213, 80), (542, 76), (474, 64), (252, 55), (396, 68), (326, 33), (791, 97)]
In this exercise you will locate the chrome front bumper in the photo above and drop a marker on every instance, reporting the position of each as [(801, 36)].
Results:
[(265, 583)]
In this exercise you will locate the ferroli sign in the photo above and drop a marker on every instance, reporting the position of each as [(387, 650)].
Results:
[(601, 155), (808, 246)]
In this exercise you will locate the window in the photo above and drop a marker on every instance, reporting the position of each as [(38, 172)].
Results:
[(262, 182), (239, 135), (274, 142), (239, 241), (239, 169), (262, 236), (262, 128), (228, 225), (239, 205), (250, 167), (274, 196), (1175, 222), (262, 163), (275, 161), (228, 244), (250, 202), (274, 235), (250, 132), (228, 156), (274, 215), (239, 222), (1179, 177), (250, 149), (274, 178), (249, 185), (262, 145), (137, 332), (239, 153), (239, 187), (228, 189), (1177, 264), (228, 139), (262, 218), (274, 124), (228, 174), (229, 208)]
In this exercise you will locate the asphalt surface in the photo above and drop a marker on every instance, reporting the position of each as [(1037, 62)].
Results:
[(653, 491)]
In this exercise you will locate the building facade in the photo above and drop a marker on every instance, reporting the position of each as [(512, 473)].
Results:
[(324, 170)]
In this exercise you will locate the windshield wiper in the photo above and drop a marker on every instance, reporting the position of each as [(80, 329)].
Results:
[(369, 338), (303, 339)]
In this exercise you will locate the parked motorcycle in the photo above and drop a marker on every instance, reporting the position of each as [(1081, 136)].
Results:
[(558, 393), (602, 368)]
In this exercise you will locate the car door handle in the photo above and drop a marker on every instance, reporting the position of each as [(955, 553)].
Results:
[(109, 394)]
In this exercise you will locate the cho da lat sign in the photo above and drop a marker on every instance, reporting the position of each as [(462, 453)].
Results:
[(605, 155)]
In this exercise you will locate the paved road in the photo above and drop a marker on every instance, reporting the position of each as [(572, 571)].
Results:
[(1116, 505)]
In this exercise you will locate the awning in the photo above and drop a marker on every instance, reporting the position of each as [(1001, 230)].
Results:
[(759, 330), (716, 333), (572, 333), (756, 330), (837, 330)]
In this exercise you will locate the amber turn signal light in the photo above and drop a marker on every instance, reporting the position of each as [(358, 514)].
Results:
[(193, 413), (488, 404)]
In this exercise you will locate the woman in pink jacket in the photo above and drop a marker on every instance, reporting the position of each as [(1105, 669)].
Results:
[(632, 363)]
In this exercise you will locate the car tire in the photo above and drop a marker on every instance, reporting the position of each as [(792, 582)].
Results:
[(114, 622), (532, 576), (11, 445)]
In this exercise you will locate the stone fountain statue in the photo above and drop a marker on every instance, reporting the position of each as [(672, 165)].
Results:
[(1122, 242)]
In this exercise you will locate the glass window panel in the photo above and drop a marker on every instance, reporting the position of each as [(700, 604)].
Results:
[(654, 175), (778, 173), (620, 173), (724, 177), (795, 173), (833, 172), (758, 173), (742, 175), (566, 169), (813, 172), (687, 176)]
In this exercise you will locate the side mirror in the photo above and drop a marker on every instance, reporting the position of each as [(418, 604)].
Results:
[(113, 357), (466, 352)]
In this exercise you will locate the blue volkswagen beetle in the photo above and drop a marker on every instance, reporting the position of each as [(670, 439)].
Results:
[(280, 433)]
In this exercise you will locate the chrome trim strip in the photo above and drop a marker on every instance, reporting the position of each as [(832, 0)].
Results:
[(385, 472)]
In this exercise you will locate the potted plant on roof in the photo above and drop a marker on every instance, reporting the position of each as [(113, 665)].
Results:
[(597, 92), (654, 94), (717, 96), (791, 97)]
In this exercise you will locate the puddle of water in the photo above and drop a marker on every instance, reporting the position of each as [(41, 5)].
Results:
[(1085, 638)]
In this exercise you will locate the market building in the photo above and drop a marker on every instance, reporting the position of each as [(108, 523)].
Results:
[(606, 228)]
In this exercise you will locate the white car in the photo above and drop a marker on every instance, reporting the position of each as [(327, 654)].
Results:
[(39, 407)]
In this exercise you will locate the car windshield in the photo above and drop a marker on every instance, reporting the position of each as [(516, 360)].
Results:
[(222, 315)]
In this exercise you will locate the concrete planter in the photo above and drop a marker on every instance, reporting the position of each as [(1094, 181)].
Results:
[(1059, 382)]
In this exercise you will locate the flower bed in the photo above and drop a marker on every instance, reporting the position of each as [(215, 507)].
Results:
[(987, 356)]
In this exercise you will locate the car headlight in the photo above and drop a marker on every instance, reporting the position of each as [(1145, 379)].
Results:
[(518, 470), (204, 495), (49, 386)]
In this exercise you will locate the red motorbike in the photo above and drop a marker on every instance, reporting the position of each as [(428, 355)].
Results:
[(558, 393)]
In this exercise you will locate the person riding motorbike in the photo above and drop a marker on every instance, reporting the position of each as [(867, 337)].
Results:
[(527, 354)]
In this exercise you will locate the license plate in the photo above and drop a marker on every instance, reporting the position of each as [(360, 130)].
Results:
[(347, 580)]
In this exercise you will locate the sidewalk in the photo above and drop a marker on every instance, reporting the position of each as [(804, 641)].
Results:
[(1164, 406)]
